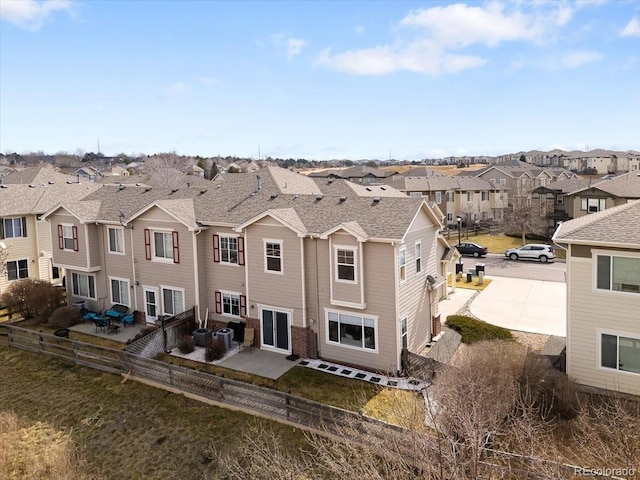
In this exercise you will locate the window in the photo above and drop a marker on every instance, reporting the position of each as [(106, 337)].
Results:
[(620, 353), (450, 196), (17, 269), (402, 264), (116, 240), (345, 264), (592, 205), (83, 285), (485, 196), (227, 249), (55, 273), (165, 246), (68, 237), (418, 257), (172, 300), (416, 194), (273, 256), (469, 197), (618, 274), (228, 303), (559, 199), (438, 198), (404, 333), (450, 217), (119, 291), (13, 227), (351, 330), (503, 181)]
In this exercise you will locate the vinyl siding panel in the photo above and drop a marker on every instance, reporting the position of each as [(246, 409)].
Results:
[(591, 310), (155, 273), (273, 289), (22, 248), (43, 240), (415, 298), (67, 257), (342, 291), (116, 265), (97, 248)]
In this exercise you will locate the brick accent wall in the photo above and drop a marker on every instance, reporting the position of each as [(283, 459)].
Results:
[(300, 341)]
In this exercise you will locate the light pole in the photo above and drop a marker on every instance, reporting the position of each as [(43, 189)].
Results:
[(459, 220)]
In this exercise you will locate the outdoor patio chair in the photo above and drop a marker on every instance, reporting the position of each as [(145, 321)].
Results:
[(248, 338), (116, 311), (101, 322), (128, 320), (88, 315)]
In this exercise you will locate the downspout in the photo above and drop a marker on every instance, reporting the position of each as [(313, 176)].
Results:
[(304, 281), (133, 272), (196, 276)]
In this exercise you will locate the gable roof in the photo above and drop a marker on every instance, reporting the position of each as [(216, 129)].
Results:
[(357, 171), (622, 186), (35, 199), (617, 226), (565, 186), (41, 175)]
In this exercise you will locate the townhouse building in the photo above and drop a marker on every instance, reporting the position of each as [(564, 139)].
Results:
[(553, 201), (318, 267), (604, 194), (603, 297), (357, 174), (24, 196), (474, 199)]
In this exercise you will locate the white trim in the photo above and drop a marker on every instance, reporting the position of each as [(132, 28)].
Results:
[(418, 248), (16, 260), (156, 292), (86, 243), (236, 294), (78, 268), (228, 235), (361, 273), (196, 272), (64, 246), (618, 334), (177, 289), (95, 287), (342, 303), (352, 249), (289, 313), (304, 282), (406, 319), (398, 272), (362, 316), (594, 268), (118, 229), (264, 254), (128, 288), (164, 231)]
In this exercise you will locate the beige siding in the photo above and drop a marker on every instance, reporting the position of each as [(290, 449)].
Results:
[(590, 311), (45, 251), (154, 273), (271, 289), (342, 291), (415, 298), (116, 265), (23, 248), (97, 248), (66, 257)]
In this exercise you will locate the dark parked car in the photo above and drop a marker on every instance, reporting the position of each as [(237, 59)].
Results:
[(472, 249)]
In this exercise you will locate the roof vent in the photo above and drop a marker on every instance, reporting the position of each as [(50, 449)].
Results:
[(137, 184), (319, 197), (273, 195), (121, 187), (174, 190), (295, 197), (51, 182), (382, 188), (376, 200), (203, 191), (4, 186), (330, 180), (343, 199), (31, 185), (219, 185), (69, 182), (368, 189)]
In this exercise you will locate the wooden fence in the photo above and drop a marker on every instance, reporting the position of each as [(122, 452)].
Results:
[(257, 400)]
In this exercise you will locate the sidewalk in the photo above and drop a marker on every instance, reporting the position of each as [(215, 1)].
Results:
[(524, 305)]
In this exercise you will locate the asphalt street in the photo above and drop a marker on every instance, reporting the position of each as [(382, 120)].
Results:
[(497, 265)]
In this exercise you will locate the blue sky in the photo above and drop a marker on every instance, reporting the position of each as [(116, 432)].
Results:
[(319, 80)]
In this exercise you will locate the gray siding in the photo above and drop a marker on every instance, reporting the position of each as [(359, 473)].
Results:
[(342, 291)]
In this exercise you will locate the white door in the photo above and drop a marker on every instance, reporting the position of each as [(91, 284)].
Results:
[(150, 304), (275, 330)]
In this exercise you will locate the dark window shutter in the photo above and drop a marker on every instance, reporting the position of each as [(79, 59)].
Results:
[(24, 226), (216, 248), (240, 251), (218, 302), (176, 248), (60, 238), (74, 231), (147, 243), (243, 305), (1, 229)]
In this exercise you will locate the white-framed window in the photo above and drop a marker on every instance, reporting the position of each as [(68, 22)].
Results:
[(418, 257), (559, 199), (451, 196), (404, 333), (13, 227), (503, 181), (353, 331), (116, 240), (402, 264), (450, 217), (345, 264), (231, 304), (172, 300), (119, 290), (618, 273), (273, 256), (68, 237), (592, 205), (83, 285), (438, 198), (485, 196), (229, 250), (163, 245), (17, 269), (469, 196), (619, 352), (415, 194)]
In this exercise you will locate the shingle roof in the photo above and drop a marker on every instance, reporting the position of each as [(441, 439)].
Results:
[(623, 186), (20, 199), (565, 186), (617, 225), (37, 176), (440, 183), (356, 171)]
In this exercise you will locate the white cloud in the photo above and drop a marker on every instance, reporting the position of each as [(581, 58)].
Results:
[(295, 46), (31, 14), (632, 29), (438, 36), (579, 58)]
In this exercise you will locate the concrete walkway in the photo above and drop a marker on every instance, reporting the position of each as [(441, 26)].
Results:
[(455, 302), (524, 305)]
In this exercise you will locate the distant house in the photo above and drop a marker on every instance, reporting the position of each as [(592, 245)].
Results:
[(552, 200), (116, 170), (357, 174), (603, 297), (87, 172), (196, 171), (604, 194)]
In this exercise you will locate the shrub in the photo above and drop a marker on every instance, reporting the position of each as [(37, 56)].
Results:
[(65, 317), (215, 350), (473, 330), (34, 298), (186, 344), (148, 329)]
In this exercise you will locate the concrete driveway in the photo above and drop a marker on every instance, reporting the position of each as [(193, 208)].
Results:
[(525, 305)]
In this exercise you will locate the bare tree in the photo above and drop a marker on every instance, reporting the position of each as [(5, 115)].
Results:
[(166, 170), (524, 218)]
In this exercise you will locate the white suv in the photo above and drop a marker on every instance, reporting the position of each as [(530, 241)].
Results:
[(540, 252)]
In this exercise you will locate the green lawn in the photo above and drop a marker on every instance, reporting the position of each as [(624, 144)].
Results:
[(499, 243)]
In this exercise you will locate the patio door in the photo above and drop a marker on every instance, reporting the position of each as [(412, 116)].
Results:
[(276, 330), (150, 304)]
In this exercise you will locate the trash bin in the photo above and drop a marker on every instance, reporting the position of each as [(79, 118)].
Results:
[(81, 305), (481, 277), (459, 267), (469, 276), (480, 267)]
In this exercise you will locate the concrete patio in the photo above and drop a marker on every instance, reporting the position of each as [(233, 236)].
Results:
[(123, 334)]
